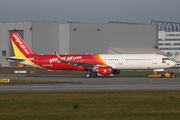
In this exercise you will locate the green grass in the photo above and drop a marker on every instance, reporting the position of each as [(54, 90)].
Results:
[(86, 106)]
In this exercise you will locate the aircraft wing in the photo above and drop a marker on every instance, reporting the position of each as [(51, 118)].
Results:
[(85, 65), (14, 59)]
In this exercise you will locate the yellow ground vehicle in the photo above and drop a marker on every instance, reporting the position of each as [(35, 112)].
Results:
[(161, 75)]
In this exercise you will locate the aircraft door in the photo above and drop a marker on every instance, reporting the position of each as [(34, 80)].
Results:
[(34, 59), (120, 61), (154, 59)]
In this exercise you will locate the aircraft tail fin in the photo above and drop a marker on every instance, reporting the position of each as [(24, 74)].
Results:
[(21, 49)]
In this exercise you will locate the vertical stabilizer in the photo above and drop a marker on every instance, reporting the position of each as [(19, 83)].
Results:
[(20, 47)]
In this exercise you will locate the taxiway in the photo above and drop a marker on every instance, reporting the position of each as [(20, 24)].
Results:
[(82, 84)]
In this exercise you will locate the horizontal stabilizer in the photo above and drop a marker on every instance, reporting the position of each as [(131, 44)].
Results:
[(14, 59)]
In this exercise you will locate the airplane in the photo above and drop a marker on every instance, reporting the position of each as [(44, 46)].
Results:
[(94, 64)]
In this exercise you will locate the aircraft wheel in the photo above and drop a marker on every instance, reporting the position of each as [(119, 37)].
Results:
[(88, 75)]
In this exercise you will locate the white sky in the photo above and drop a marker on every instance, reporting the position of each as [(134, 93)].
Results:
[(91, 11)]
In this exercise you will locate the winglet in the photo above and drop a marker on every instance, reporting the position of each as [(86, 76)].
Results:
[(57, 55)]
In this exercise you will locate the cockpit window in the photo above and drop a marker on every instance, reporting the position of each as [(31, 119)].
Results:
[(165, 58)]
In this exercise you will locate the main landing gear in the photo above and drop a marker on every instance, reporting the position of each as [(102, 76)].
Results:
[(91, 74), (88, 75)]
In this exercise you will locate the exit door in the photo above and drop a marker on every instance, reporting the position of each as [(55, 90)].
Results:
[(120, 61), (34, 60), (154, 59)]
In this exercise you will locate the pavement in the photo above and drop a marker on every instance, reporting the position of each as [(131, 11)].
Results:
[(82, 84)]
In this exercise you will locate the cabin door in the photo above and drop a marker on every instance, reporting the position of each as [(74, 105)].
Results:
[(154, 59), (121, 61), (34, 59)]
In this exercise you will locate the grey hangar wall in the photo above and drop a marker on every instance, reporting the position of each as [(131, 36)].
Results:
[(47, 37)]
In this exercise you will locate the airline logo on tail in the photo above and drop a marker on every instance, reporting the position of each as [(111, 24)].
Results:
[(20, 43), (23, 54), (20, 48)]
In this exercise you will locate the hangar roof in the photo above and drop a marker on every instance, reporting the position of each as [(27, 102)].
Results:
[(136, 50)]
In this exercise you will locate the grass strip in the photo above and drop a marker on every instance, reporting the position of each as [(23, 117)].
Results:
[(85, 106)]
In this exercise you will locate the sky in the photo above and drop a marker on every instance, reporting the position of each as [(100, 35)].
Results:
[(90, 11)]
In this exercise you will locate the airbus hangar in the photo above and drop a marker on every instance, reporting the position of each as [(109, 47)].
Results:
[(73, 37)]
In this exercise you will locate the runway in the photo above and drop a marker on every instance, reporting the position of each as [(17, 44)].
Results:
[(82, 84)]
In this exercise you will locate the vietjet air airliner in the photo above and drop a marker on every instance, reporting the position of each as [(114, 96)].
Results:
[(94, 64)]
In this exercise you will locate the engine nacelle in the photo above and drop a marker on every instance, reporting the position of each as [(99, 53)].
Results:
[(104, 70)]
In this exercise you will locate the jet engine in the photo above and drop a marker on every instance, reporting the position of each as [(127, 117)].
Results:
[(104, 70), (107, 70)]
